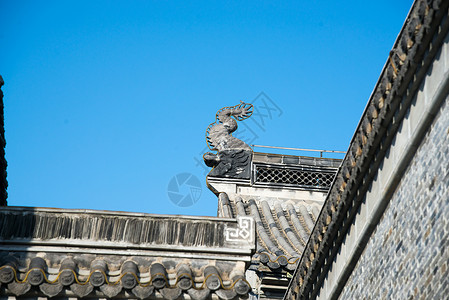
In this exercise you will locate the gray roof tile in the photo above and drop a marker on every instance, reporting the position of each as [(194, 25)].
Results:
[(282, 227)]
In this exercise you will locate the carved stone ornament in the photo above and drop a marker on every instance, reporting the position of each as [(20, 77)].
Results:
[(233, 159)]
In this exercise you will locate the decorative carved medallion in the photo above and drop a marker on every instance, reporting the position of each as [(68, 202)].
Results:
[(244, 230)]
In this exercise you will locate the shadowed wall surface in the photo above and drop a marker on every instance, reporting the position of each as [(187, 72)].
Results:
[(407, 255)]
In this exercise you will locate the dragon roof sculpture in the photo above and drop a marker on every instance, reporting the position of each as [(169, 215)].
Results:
[(234, 155)]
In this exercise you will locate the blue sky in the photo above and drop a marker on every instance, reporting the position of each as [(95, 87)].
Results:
[(107, 101)]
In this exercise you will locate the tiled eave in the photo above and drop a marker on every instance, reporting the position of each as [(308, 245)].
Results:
[(282, 228), (86, 253), (416, 46)]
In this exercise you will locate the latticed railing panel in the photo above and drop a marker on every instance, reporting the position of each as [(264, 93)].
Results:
[(290, 176)]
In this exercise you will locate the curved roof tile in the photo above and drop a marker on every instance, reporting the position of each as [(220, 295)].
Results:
[(297, 224), (283, 227), (260, 229), (276, 233), (287, 228)]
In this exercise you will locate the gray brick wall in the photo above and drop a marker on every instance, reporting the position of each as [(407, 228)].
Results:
[(407, 256)]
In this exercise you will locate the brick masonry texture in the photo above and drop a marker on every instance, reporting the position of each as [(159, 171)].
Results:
[(407, 256)]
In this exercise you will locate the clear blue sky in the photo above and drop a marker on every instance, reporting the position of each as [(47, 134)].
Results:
[(106, 101)]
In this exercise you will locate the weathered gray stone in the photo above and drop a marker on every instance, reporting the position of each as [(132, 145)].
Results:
[(81, 290), (18, 289), (226, 294), (410, 242), (111, 290), (213, 280), (51, 290), (158, 276), (143, 292), (199, 294), (233, 159), (6, 274), (170, 293), (185, 279), (241, 287)]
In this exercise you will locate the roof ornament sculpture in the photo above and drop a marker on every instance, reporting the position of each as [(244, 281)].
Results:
[(233, 159)]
